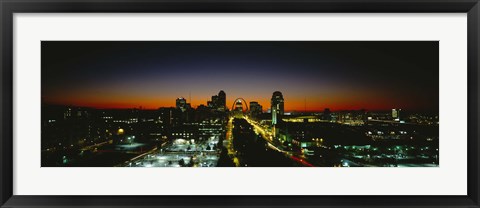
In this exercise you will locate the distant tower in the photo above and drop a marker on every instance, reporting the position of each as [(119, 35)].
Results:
[(215, 102), (255, 109), (181, 103), (396, 114), (327, 114), (222, 101), (277, 107)]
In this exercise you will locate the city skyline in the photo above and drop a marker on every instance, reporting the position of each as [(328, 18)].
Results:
[(266, 107), (312, 75), (240, 104)]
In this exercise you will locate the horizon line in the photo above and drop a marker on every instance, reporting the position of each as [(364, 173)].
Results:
[(263, 111)]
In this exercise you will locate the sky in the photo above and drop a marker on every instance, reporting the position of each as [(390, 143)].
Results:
[(312, 75)]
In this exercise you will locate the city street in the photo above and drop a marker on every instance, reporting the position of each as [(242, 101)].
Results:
[(275, 144), (229, 145)]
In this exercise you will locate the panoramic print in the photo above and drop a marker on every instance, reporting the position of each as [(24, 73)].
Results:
[(239, 104)]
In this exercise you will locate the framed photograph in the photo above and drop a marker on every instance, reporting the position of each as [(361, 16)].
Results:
[(264, 103)]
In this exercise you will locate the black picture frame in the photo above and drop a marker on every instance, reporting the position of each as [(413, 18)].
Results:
[(9, 7)]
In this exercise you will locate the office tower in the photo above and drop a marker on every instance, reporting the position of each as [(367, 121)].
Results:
[(277, 108), (181, 103), (222, 101), (255, 109), (396, 114)]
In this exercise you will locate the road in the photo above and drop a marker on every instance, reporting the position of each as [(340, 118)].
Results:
[(275, 144), (92, 147), (231, 152)]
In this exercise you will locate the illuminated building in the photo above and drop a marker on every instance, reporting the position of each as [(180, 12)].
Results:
[(222, 101), (186, 131), (218, 102), (181, 103), (214, 103), (169, 117), (209, 129), (185, 108), (396, 114), (255, 109), (277, 108)]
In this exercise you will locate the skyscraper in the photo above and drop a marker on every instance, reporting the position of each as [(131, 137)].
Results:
[(222, 101), (215, 102), (255, 109), (181, 103), (218, 102), (277, 107)]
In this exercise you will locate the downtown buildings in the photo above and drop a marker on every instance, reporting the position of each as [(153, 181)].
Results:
[(277, 107), (186, 136)]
